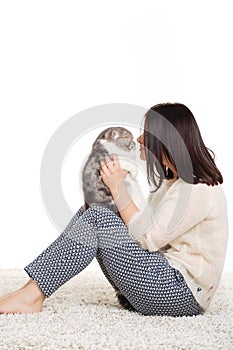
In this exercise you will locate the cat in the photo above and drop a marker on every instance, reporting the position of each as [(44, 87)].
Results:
[(113, 140)]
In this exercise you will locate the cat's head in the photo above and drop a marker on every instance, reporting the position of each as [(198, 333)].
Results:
[(119, 136)]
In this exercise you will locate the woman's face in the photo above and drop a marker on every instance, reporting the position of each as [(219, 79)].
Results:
[(140, 140)]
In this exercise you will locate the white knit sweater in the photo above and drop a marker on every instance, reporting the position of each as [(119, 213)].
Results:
[(188, 224)]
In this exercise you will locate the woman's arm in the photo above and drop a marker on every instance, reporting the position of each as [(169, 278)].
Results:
[(124, 203), (114, 177)]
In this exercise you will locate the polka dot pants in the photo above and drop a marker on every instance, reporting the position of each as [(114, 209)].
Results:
[(144, 278)]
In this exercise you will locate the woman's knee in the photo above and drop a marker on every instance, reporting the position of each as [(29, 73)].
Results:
[(102, 215), (110, 229), (97, 208)]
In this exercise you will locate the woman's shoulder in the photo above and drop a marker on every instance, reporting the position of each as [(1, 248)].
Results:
[(205, 195), (200, 186), (200, 189)]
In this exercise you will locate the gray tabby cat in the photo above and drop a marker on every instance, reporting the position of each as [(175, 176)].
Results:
[(112, 140)]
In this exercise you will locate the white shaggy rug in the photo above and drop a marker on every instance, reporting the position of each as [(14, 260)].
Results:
[(84, 314)]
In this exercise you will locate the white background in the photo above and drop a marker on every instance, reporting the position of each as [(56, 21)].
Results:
[(61, 57)]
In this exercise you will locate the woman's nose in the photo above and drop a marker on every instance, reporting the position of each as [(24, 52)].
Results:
[(140, 139)]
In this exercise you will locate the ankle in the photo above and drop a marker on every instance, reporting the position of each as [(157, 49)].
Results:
[(33, 291)]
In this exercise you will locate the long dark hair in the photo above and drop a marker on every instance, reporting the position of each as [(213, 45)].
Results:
[(171, 131)]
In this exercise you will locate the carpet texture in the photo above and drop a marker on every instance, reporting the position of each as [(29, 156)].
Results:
[(84, 314)]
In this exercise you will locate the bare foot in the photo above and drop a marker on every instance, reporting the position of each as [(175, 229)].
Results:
[(28, 299)]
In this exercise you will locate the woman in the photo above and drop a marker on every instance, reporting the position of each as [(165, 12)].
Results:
[(166, 259)]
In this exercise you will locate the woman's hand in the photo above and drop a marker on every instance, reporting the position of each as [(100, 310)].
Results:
[(111, 173), (114, 177)]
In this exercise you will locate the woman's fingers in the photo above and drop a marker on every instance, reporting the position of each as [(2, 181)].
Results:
[(110, 164), (111, 172), (116, 161), (104, 168)]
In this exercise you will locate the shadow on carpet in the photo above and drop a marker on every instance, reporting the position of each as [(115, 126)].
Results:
[(84, 314)]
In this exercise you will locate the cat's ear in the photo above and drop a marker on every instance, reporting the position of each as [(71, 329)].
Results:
[(115, 134)]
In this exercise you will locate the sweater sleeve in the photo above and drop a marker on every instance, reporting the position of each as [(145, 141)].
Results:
[(183, 207)]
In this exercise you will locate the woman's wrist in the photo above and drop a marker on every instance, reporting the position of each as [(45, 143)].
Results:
[(118, 189), (120, 195), (124, 202)]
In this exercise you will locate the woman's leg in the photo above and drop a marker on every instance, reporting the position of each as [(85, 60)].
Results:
[(145, 279)]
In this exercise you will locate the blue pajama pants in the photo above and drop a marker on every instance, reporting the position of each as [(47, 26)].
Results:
[(144, 278)]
